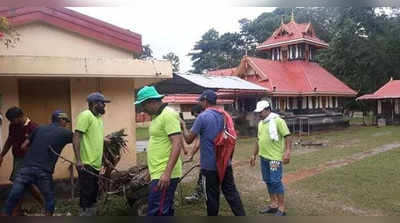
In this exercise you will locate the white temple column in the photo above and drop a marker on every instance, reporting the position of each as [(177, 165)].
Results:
[(396, 106), (379, 107), (320, 102), (330, 102), (310, 103), (287, 103), (304, 101), (295, 103), (337, 102), (297, 51)]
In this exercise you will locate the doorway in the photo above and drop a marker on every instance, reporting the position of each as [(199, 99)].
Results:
[(40, 97)]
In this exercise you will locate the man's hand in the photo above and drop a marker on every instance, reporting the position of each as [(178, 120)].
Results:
[(79, 165), (164, 181), (286, 158), (252, 160)]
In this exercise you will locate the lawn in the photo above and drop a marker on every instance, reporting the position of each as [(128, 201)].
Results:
[(364, 186)]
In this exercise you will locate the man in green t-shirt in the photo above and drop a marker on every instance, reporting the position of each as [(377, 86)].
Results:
[(88, 147), (163, 151), (273, 146)]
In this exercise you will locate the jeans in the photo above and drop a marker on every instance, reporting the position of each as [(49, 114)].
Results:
[(89, 187), (161, 202), (24, 179), (212, 192)]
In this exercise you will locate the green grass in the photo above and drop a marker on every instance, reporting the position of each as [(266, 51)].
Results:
[(142, 134), (370, 184)]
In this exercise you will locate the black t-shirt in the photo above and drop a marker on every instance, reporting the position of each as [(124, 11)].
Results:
[(39, 154)]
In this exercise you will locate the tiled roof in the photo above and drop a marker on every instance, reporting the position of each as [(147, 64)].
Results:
[(189, 99), (390, 90), (78, 23), (223, 72), (294, 77), (293, 32)]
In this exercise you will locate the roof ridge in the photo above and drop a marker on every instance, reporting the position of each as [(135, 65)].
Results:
[(383, 87)]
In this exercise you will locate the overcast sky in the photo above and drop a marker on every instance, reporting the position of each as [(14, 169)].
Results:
[(174, 26)]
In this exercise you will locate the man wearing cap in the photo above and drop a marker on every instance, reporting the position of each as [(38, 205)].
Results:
[(88, 144), (163, 151), (39, 162), (273, 146), (208, 125)]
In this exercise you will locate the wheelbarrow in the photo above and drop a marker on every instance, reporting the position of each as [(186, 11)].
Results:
[(134, 185)]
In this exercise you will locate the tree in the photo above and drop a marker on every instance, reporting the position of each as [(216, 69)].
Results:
[(8, 36), (146, 52), (217, 52), (174, 61)]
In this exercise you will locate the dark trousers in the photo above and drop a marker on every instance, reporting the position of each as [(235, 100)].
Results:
[(212, 192), (161, 202), (89, 187), (24, 179)]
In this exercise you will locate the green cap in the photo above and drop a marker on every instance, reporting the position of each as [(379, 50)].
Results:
[(146, 93)]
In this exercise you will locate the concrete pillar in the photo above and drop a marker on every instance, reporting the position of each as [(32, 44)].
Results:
[(320, 102), (396, 106), (304, 106), (310, 103), (379, 107), (337, 102)]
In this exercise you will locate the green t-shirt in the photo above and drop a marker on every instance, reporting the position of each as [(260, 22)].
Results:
[(92, 139), (160, 147), (268, 148)]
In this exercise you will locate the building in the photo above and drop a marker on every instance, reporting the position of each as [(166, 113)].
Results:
[(297, 82), (387, 101), (61, 57)]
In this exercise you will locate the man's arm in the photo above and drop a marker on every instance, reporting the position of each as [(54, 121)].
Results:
[(254, 156), (188, 136), (288, 148), (76, 142), (176, 141), (196, 148), (5, 150)]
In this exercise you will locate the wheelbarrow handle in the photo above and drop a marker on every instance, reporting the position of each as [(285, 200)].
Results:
[(187, 172)]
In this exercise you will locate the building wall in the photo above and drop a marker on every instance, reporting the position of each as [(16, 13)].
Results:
[(39, 39)]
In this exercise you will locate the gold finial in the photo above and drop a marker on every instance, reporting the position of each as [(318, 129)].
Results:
[(292, 18)]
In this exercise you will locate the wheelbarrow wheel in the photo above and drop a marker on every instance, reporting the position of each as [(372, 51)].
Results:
[(140, 207)]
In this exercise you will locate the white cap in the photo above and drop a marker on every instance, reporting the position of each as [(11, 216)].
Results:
[(261, 105)]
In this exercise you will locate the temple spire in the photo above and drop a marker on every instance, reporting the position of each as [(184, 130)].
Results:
[(282, 20)]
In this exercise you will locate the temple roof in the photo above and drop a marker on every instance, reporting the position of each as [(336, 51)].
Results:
[(293, 33), (390, 90), (293, 78)]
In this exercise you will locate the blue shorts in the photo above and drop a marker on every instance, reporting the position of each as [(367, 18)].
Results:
[(271, 171)]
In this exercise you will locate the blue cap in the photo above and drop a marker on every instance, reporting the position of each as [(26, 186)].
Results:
[(97, 96), (208, 95), (58, 114)]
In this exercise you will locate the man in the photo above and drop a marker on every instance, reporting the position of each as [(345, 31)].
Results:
[(273, 146), (88, 142), (20, 128), (163, 151), (208, 125), (198, 193), (40, 161)]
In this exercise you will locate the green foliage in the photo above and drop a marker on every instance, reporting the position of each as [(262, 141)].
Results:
[(174, 61), (147, 52), (364, 47), (8, 36)]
